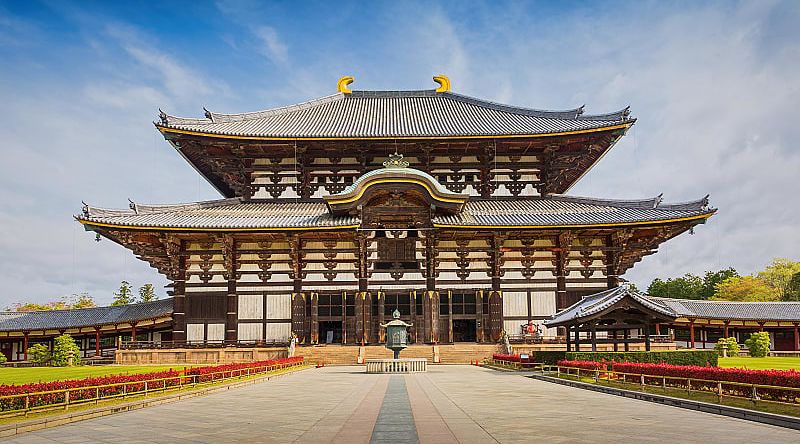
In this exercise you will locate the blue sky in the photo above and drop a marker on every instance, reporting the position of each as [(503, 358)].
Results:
[(714, 86)]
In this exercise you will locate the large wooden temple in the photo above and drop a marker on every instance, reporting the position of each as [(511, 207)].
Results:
[(339, 210)]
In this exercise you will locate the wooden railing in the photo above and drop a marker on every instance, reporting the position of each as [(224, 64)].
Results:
[(21, 404), (720, 388), (516, 365)]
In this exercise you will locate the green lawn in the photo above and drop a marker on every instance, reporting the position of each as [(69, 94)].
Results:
[(24, 375), (768, 363)]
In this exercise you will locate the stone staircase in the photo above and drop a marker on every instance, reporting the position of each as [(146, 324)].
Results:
[(464, 353), (336, 354)]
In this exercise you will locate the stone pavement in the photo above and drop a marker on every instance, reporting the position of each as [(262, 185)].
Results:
[(449, 404)]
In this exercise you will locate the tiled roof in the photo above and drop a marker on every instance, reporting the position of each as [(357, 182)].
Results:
[(554, 210), (387, 114), (593, 304), (759, 311), (85, 317)]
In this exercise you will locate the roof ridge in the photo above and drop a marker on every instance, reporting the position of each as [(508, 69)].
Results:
[(533, 112), (214, 117), (647, 203), (136, 209)]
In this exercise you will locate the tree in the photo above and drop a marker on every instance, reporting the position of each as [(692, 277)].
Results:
[(687, 287), (793, 292), (745, 289), (38, 353), (779, 275), (63, 347), (124, 296), (712, 278), (147, 293), (82, 300), (758, 344)]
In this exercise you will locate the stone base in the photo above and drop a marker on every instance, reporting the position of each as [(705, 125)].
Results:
[(225, 355), (402, 365)]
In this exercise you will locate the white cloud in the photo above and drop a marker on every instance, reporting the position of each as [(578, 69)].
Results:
[(271, 45)]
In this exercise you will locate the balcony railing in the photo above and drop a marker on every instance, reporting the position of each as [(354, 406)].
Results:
[(143, 345)]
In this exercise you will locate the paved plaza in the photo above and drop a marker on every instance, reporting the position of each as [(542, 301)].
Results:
[(448, 404)]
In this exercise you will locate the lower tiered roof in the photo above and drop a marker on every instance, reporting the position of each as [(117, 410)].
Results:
[(553, 211)]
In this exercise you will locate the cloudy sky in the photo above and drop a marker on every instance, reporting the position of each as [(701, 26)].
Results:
[(715, 87)]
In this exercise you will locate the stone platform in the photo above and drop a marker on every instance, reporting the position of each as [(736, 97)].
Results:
[(402, 365)]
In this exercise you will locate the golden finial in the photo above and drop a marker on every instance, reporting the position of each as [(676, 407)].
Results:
[(341, 85), (444, 83)]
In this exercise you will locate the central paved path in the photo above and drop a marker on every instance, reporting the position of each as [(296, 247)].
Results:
[(449, 404)]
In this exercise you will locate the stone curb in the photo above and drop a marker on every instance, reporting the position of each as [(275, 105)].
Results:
[(58, 420), (789, 422)]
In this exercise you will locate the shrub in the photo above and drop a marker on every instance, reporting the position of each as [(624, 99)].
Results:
[(205, 374), (583, 365), (506, 357), (727, 347), (3, 358), (38, 354), (549, 357), (63, 347), (758, 344), (675, 357)]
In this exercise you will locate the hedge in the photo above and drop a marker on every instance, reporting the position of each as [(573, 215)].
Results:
[(551, 357), (701, 358)]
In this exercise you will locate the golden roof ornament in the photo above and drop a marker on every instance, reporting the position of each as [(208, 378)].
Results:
[(341, 85), (444, 83), (395, 161)]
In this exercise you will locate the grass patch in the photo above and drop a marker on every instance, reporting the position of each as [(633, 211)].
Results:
[(26, 375), (768, 363), (155, 394), (711, 398)]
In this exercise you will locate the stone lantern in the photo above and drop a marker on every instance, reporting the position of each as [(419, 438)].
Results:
[(396, 334)]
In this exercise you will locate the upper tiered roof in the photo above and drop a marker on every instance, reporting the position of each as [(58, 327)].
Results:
[(395, 115)]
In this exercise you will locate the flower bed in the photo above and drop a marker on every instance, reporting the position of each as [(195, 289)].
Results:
[(505, 357), (583, 365), (777, 378), (55, 392), (211, 372)]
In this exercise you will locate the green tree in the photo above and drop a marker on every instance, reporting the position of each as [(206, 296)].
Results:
[(147, 293), (712, 278), (3, 358), (38, 353), (758, 344), (793, 292), (82, 300), (745, 289), (687, 287), (124, 296), (779, 275), (63, 347)]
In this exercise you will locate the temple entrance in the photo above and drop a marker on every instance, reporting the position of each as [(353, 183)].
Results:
[(330, 332), (464, 330)]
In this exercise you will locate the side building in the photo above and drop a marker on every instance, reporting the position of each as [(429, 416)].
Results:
[(337, 211)]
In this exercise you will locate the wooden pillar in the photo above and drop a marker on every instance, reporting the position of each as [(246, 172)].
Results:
[(691, 334), (479, 315), (367, 311), (625, 337), (760, 326), (97, 341), (594, 336), (232, 302), (133, 332), (658, 328), (495, 315), (344, 317), (577, 338), (24, 346), (569, 338), (796, 338), (725, 329), (430, 262), (381, 312), (646, 337), (450, 316), (614, 338), (176, 250), (314, 318), (412, 297)]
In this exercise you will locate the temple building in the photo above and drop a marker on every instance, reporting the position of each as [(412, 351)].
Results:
[(337, 211)]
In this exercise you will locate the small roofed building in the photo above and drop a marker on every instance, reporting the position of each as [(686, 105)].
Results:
[(700, 323), (623, 315), (98, 330), (339, 210), (615, 313)]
